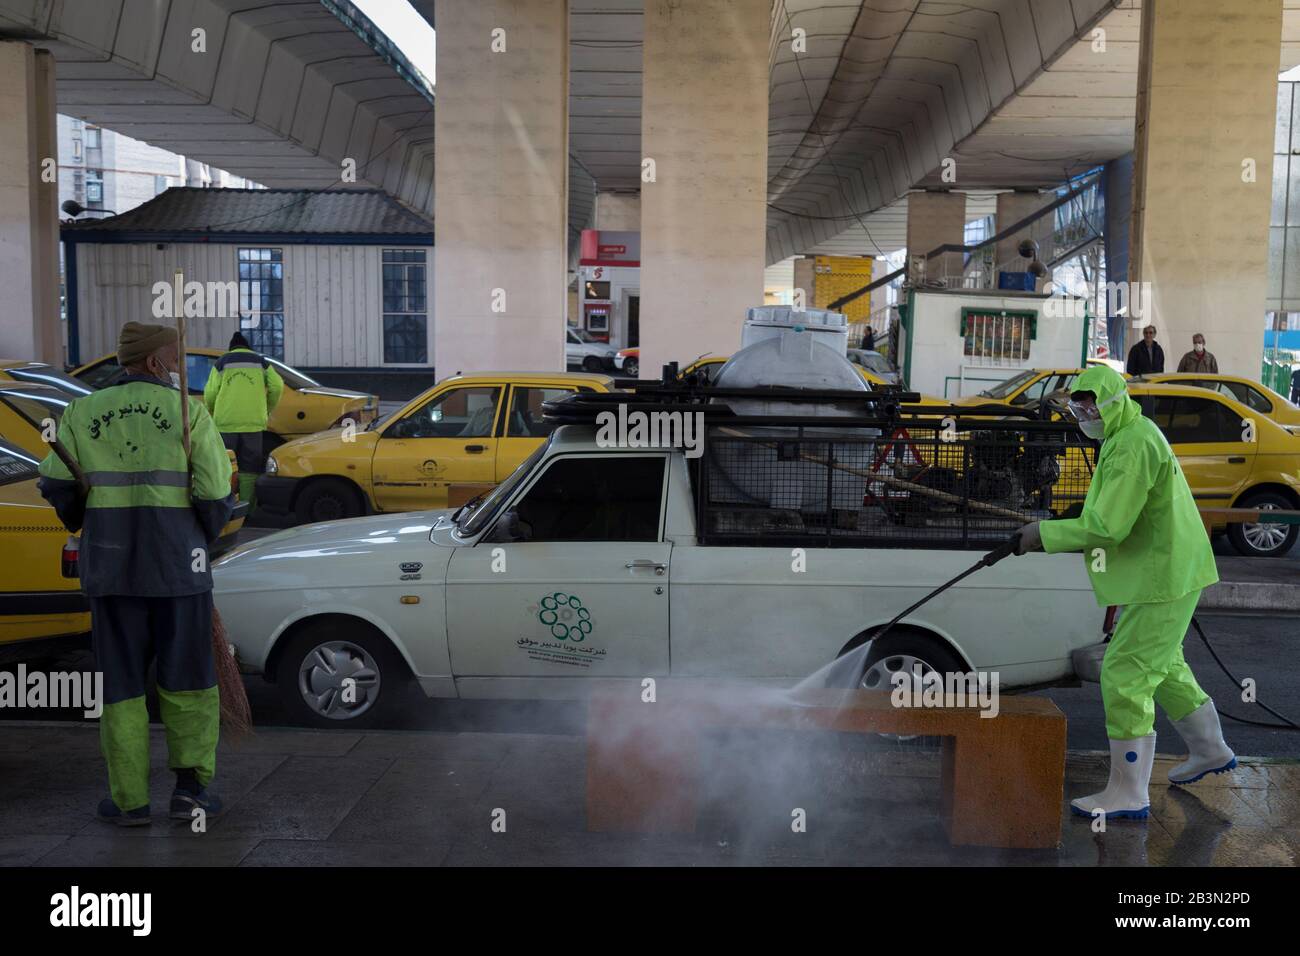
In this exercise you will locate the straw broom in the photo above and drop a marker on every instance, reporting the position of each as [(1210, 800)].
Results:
[(236, 715)]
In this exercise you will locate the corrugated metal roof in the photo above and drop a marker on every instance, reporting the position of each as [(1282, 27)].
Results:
[(214, 212)]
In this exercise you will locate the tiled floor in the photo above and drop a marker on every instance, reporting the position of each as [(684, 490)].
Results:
[(301, 797)]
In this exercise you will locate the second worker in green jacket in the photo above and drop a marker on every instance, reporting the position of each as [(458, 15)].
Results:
[(241, 392)]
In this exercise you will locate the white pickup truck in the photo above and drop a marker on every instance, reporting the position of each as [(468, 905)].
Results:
[(587, 562)]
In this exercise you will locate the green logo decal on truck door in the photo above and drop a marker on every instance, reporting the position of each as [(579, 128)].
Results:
[(565, 616)]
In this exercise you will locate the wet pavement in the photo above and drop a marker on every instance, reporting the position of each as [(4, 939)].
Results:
[(392, 798)]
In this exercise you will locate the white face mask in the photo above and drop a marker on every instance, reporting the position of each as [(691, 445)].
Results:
[(1200, 347), (1094, 429), (176, 379)]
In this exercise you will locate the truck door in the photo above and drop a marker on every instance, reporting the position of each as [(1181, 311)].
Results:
[(584, 593)]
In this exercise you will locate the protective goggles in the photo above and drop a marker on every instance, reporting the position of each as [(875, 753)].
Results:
[(1089, 412)]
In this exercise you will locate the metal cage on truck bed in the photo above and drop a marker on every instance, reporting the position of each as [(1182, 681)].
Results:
[(881, 473)]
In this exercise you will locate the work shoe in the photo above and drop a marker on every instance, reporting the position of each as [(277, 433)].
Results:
[(1207, 751), (110, 812), (184, 803), (1126, 790)]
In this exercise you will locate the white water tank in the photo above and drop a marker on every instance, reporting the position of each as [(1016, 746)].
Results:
[(769, 321)]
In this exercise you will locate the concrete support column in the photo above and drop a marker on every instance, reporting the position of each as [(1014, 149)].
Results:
[(501, 186), (29, 212), (935, 219), (1117, 181), (1013, 207), (618, 212), (704, 217), (1203, 173)]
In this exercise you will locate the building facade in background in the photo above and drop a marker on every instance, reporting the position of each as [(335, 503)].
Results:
[(326, 280)]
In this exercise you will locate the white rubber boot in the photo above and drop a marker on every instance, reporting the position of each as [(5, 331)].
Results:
[(1126, 790), (1207, 751)]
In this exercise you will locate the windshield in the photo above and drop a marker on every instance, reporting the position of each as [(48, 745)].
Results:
[(16, 464), (1003, 389), (474, 517), (582, 335), (49, 375)]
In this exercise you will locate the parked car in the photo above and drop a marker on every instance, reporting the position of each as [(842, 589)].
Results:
[(587, 562), (456, 439), (41, 373), (628, 361), (582, 350), (27, 411), (1259, 398), (305, 407), (41, 610), (875, 363), (1227, 463), (1025, 388)]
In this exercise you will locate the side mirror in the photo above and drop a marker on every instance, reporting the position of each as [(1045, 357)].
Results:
[(512, 528)]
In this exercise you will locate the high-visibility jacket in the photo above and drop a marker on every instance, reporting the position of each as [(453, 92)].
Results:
[(241, 391), (146, 523), (1140, 533)]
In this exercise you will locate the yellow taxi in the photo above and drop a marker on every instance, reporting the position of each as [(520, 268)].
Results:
[(1259, 398), (40, 607), (1024, 389), (706, 366), (24, 372), (304, 408), (460, 437), (29, 414), (1233, 456)]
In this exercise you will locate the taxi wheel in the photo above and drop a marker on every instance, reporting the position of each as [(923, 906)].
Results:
[(1263, 540), (328, 499), (341, 673)]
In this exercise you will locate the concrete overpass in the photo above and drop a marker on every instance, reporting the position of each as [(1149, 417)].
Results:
[(753, 130)]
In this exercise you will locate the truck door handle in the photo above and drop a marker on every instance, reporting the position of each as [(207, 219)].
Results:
[(646, 563), (475, 449), (1236, 460)]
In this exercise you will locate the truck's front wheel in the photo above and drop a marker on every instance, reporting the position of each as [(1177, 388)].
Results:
[(335, 674)]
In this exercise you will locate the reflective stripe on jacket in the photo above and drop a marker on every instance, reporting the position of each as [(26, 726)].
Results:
[(141, 534), (241, 391)]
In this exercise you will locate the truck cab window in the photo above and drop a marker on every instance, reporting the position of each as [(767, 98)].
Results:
[(598, 498)]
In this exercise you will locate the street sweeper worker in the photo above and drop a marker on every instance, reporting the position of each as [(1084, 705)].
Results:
[(1146, 549), (146, 518), (242, 390)]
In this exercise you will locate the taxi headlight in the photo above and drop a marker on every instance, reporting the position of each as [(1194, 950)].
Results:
[(271, 466)]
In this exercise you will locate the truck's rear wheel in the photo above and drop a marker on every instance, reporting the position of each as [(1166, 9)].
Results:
[(902, 655)]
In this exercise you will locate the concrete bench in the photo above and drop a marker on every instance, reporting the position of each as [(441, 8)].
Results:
[(1002, 778)]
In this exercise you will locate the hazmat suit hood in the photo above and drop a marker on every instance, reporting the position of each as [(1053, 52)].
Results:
[(1117, 408)]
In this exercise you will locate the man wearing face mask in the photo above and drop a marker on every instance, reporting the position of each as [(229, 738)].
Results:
[(1199, 360), (1146, 549), (146, 522)]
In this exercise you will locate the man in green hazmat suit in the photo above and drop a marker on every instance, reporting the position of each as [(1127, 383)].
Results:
[(1146, 549), (146, 520), (242, 390)]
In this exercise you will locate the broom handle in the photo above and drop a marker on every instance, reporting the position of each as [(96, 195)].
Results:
[(183, 373)]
